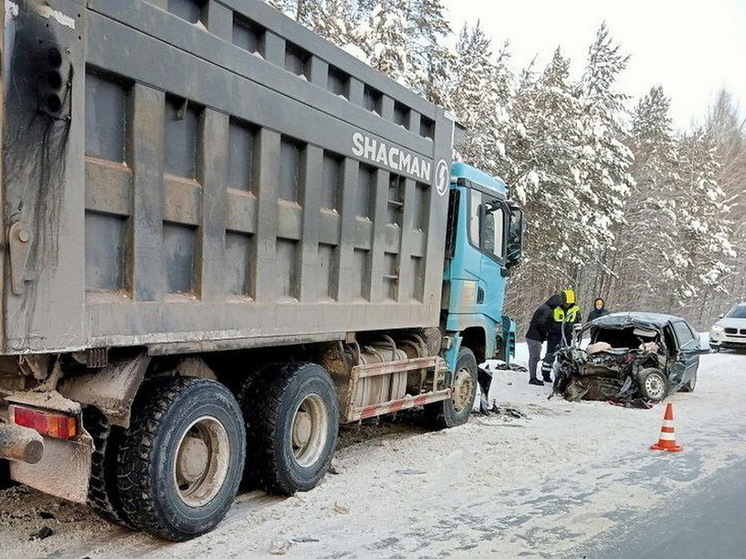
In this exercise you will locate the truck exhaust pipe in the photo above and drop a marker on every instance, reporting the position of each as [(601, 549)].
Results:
[(20, 444)]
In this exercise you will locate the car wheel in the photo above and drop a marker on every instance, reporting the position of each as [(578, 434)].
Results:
[(689, 386), (292, 419), (181, 460), (652, 385), (456, 410)]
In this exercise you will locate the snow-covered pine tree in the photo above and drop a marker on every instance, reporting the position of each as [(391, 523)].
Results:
[(704, 219), (727, 125), (601, 166), (647, 259), (384, 37), (674, 249), (334, 19), (541, 147), (479, 95), (406, 40), (429, 58), (301, 11)]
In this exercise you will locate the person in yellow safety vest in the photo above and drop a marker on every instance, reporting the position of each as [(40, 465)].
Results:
[(560, 326)]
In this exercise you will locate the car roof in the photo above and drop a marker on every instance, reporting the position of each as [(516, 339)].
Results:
[(622, 319)]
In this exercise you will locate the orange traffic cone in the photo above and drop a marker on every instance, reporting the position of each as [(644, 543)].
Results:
[(667, 439)]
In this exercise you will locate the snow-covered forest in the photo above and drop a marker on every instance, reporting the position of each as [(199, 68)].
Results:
[(620, 204)]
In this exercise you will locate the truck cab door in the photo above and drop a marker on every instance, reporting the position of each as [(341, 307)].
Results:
[(491, 214)]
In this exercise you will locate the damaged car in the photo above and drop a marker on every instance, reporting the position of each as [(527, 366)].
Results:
[(631, 356)]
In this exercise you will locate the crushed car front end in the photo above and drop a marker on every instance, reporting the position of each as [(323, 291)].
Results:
[(625, 361)]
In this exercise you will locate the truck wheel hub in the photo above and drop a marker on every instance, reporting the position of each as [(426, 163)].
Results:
[(193, 457), (462, 389), (310, 430), (302, 429), (201, 465)]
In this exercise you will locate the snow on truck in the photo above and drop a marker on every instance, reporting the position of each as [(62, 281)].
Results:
[(223, 237)]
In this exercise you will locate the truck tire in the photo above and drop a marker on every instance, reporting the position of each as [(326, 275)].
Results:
[(244, 398), (456, 410), (652, 385), (103, 493), (292, 422), (5, 480), (181, 460)]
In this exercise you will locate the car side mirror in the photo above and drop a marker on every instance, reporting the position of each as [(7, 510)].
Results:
[(721, 315)]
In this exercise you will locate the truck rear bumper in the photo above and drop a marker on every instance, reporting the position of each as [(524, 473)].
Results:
[(63, 471)]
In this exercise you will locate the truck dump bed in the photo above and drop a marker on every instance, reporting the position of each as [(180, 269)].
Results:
[(200, 175)]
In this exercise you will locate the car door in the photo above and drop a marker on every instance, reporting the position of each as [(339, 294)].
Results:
[(685, 360)]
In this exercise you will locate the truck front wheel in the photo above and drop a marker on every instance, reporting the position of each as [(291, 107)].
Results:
[(292, 419), (455, 411), (181, 460)]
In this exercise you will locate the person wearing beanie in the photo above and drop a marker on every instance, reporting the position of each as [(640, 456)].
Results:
[(599, 309)]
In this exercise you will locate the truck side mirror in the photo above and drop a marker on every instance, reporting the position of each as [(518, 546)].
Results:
[(514, 252)]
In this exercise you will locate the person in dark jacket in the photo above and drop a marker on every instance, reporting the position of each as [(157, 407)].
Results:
[(563, 319), (538, 331), (599, 309)]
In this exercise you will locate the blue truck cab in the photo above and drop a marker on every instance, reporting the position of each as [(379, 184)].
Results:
[(484, 239)]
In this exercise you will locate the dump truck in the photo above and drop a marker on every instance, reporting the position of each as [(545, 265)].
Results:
[(223, 238)]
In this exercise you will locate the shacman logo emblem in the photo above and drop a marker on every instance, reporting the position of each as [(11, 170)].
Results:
[(441, 177), (393, 157)]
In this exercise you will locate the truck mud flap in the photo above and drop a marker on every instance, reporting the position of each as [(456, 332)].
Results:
[(63, 471), (111, 389), (65, 465)]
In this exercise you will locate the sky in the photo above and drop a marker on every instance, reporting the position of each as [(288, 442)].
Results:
[(691, 48)]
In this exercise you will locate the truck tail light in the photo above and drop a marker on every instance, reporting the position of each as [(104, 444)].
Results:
[(52, 424)]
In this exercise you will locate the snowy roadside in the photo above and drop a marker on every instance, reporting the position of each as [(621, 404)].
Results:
[(499, 486)]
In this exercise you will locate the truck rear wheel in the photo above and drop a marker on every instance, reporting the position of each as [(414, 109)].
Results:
[(5, 480), (292, 419), (181, 460), (244, 397), (456, 410), (103, 493)]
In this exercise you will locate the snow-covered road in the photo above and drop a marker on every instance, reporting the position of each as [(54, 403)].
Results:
[(500, 486)]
